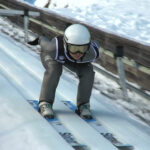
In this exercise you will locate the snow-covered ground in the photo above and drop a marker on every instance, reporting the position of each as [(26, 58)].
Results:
[(125, 17), (23, 128), (137, 105)]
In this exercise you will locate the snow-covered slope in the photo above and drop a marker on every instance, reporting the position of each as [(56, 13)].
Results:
[(21, 73), (23, 128), (20, 126), (24, 72)]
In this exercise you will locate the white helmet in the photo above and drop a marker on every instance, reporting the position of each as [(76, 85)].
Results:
[(77, 34)]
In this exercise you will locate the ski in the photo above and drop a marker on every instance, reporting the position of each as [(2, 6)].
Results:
[(58, 126), (103, 131)]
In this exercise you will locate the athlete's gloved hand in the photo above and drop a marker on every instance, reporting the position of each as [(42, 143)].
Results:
[(34, 42)]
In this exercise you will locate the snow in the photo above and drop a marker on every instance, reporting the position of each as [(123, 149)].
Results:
[(20, 67), (124, 17), (21, 126), (20, 112), (21, 75)]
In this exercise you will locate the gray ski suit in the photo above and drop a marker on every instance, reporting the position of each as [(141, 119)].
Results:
[(54, 57)]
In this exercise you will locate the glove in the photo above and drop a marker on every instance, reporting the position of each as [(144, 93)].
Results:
[(34, 42)]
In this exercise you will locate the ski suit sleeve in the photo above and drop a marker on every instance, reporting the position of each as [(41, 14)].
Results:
[(48, 51)]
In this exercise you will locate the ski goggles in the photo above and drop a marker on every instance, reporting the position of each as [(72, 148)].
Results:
[(77, 48)]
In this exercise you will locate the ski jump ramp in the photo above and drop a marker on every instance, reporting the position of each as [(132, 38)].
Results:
[(22, 127)]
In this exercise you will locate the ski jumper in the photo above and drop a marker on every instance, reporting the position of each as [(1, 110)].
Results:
[(54, 56)]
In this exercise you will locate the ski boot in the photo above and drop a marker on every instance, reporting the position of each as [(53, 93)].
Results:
[(84, 111), (46, 110)]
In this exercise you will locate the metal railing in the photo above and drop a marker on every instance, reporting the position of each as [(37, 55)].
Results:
[(25, 13), (117, 79)]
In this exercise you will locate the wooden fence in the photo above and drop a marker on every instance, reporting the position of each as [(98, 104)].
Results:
[(136, 54)]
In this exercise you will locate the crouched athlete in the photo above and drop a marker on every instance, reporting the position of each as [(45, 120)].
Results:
[(76, 51)]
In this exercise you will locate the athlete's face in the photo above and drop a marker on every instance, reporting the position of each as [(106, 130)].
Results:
[(76, 56)]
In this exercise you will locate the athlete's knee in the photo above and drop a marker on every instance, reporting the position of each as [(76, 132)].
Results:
[(87, 71), (54, 69)]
